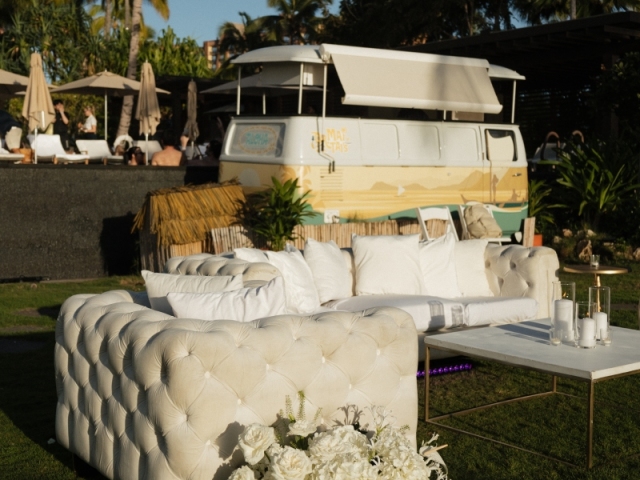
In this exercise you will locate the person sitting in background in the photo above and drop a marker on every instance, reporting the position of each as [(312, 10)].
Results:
[(134, 156), (90, 127), (169, 156), (10, 130)]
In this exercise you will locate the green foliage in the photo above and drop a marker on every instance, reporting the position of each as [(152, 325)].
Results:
[(171, 55), (539, 193), (592, 183), (272, 214)]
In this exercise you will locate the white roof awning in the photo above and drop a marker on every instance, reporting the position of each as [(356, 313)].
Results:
[(388, 78), (496, 72), (281, 53)]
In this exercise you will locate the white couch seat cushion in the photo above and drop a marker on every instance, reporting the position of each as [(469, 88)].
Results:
[(387, 264), (433, 313), (158, 285), (471, 269), (242, 305), (438, 267)]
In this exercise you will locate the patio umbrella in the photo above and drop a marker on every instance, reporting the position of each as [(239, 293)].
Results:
[(148, 110), (12, 83), (107, 83), (38, 107), (191, 126)]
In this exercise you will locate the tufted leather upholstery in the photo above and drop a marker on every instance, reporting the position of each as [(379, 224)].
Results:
[(142, 394), (512, 270)]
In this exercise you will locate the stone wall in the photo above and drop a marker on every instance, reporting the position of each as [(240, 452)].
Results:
[(74, 221)]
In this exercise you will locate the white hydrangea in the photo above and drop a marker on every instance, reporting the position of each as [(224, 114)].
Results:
[(254, 440), (243, 473), (289, 464), (338, 441), (389, 440), (345, 467), (404, 464)]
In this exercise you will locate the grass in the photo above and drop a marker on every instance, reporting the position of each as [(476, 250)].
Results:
[(555, 425)]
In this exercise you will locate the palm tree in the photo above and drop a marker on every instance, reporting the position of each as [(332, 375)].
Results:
[(134, 46), (296, 23), (536, 12)]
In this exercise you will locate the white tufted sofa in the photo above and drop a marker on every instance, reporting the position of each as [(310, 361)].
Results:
[(143, 395)]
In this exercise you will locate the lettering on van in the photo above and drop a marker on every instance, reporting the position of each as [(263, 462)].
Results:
[(335, 140), (257, 139)]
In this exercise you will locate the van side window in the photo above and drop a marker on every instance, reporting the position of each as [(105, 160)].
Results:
[(501, 145), (460, 146), (379, 141), (257, 139)]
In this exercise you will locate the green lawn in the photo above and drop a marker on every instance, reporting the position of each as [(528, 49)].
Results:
[(555, 426)]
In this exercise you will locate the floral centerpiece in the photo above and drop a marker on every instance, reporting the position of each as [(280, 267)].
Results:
[(296, 450)]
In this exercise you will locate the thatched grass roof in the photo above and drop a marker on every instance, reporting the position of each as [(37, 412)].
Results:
[(181, 215)]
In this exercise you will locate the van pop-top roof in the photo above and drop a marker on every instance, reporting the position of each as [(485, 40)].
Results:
[(386, 78)]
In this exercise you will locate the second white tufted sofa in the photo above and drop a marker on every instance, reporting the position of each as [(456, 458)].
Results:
[(143, 395)]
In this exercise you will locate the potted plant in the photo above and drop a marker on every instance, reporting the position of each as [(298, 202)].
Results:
[(272, 214), (538, 191)]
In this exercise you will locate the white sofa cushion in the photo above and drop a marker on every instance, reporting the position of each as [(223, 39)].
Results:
[(433, 313), (241, 305), (470, 268), (252, 255), (438, 267), (160, 284), (299, 287), (387, 264), (329, 270)]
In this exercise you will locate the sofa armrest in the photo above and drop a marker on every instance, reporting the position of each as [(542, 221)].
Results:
[(212, 265), (142, 394), (517, 271)]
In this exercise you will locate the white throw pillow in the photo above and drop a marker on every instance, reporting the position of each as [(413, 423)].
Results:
[(241, 305), (329, 270), (252, 255), (387, 264), (470, 268), (299, 287), (438, 267), (160, 284)]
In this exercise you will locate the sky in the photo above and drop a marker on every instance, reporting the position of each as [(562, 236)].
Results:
[(201, 19)]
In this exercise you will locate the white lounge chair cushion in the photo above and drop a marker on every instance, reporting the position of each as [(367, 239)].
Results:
[(434, 313), (330, 273), (241, 305), (387, 264), (470, 268), (159, 285), (438, 266), (299, 287)]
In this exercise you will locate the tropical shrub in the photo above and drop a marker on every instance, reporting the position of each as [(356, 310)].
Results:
[(272, 214)]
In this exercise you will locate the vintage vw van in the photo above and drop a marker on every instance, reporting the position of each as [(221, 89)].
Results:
[(382, 166)]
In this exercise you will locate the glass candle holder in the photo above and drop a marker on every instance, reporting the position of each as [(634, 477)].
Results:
[(563, 309), (601, 298), (585, 327), (594, 261)]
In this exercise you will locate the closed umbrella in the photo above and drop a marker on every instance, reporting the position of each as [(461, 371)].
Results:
[(191, 126), (148, 110), (106, 83), (38, 107)]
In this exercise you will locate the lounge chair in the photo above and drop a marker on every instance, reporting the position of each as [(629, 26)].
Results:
[(153, 146), (6, 156), (435, 213), (98, 150), (49, 148)]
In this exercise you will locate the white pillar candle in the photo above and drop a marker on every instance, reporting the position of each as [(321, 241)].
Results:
[(587, 332), (563, 316), (601, 324)]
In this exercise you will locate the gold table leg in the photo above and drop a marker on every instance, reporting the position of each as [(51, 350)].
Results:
[(591, 396), (427, 366)]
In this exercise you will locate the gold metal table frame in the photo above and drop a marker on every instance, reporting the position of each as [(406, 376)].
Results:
[(595, 271), (554, 382)]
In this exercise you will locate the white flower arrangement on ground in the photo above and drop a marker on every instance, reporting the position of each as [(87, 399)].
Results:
[(299, 452)]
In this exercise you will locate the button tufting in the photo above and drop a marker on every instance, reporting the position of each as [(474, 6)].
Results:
[(324, 359), (268, 366), (350, 387), (207, 374), (239, 402), (378, 352)]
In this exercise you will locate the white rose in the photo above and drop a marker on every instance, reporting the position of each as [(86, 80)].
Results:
[(290, 464), (302, 428), (254, 441), (243, 473)]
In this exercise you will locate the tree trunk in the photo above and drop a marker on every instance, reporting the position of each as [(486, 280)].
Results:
[(108, 13), (127, 14), (134, 46), (573, 13)]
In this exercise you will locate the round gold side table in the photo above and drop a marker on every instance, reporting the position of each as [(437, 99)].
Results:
[(595, 271)]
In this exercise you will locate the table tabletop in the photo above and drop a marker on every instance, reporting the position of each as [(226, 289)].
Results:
[(599, 270), (526, 344)]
